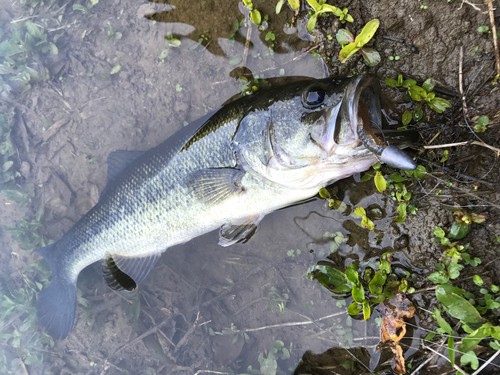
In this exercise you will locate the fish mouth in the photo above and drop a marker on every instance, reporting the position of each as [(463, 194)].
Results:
[(363, 109)]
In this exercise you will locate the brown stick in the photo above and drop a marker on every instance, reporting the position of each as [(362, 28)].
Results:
[(247, 43), (494, 31), (497, 150)]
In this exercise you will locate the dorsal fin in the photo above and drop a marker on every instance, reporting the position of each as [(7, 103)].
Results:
[(126, 272), (119, 160)]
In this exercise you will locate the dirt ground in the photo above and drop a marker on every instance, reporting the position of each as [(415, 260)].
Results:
[(206, 309)]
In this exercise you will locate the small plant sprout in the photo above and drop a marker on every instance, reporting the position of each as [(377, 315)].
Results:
[(320, 8), (365, 221), (482, 121), (351, 45), (421, 94), (112, 35), (254, 13), (294, 4), (170, 42), (277, 300)]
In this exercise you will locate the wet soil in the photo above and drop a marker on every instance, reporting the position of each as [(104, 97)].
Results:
[(206, 308)]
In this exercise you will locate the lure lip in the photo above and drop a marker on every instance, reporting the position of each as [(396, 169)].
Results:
[(364, 109)]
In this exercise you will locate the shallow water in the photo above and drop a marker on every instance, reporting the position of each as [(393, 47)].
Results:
[(204, 308)]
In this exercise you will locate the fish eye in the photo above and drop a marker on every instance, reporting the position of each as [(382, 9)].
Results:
[(314, 98)]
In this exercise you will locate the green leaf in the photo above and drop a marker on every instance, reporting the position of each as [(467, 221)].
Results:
[(80, 7), (477, 280), (294, 4), (280, 4), (451, 350), (354, 309), (347, 51), (417, 116), (323, 193), (458, 307), (407, 115), (400, 80), (358, 293), (475, 337), (459, 230), (34, 30), (376, 286), (428, 85), (367, 176), (444, 327), (401, 212), (255, 16), (439, 104), (409, 82), (371, 56), (483, 29), (115, 69), (53, 48), (314, 4), (367, 33), (396, 177), (470, 358), (380, 182), (439, 232), (312, 23), (332, 279), (360, 211), (344, 37), (417, 93), (366, 310), (391, 82), (352, 275), (483, 120), (439, 277)]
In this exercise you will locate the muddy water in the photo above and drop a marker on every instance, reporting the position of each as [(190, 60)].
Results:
[(204, 309)]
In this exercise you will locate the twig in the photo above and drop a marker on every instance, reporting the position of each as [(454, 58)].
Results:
[(247, 43), (288, 324), (428, 359), (478, 371), (461, 79), (189, 332), (491, 11), (139, 338), (469, 3), (465, 143), (439, 354), (434, 138)]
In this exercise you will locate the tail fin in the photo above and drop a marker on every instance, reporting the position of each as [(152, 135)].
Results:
[(57, 303)]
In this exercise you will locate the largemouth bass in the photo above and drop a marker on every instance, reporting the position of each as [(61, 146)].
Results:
[(227, 171)]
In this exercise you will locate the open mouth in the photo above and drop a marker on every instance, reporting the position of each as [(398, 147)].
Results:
[(363, 106)]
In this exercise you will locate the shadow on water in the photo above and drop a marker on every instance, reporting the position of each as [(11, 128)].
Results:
[(204, 309)]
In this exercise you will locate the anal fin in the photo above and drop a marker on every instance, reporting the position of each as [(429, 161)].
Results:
[(126, 272), (241, 230)]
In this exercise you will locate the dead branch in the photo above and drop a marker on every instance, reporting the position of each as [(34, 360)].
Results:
[(494, 32)]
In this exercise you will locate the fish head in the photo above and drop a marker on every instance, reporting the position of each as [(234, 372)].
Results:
[(321, 131)]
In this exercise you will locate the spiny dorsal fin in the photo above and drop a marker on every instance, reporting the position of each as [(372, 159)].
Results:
[(119, 160), (215, 185)]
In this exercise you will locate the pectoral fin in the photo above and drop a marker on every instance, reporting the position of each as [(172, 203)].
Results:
[(215, 185), (126, 273), (241, 230)]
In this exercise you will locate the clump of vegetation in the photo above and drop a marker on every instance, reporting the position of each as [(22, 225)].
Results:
[(396, 184), (421, 94), (170, 42), (321, 8), (368, 283), (294, 4), (7, 173), (254, 13), (480, 126), (351, 45), (18, 50)]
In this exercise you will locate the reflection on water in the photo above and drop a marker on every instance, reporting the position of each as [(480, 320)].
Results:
[(244, 309)]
